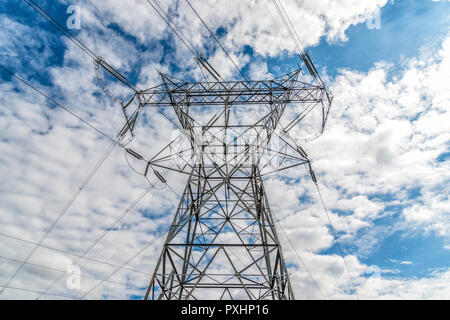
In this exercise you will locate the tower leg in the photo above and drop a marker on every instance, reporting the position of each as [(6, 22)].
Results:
[(222, 243)]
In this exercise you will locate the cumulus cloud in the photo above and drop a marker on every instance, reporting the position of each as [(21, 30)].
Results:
[(252, 24), (382, 144), (384, 136)]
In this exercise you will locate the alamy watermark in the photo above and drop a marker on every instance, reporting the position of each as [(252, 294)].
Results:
[(254, 147), (374, 22), (73, 281), (73, 22)]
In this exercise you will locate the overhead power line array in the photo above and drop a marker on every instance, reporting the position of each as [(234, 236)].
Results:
[(223, 241)]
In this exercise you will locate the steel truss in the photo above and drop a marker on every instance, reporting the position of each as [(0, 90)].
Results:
[(222, 243)]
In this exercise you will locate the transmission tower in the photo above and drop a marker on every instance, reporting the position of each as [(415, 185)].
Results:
[(222, 243)]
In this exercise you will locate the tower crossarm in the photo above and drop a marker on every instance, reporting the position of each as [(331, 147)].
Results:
[(284, 90)]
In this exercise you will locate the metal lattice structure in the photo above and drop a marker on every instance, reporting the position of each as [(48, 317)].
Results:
[(223, 243)]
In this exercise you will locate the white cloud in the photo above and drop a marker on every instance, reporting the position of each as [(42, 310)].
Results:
[(246, 23), (383, 137), (433, 287), (400, 151)]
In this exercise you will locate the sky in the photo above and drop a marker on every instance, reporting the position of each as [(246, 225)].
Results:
[(382, 162)]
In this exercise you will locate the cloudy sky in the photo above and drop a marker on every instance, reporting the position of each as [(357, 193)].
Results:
[(382, 163)]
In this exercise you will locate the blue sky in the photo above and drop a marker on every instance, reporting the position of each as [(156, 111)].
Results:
[(393, 43), (405, 27), (383, 161)]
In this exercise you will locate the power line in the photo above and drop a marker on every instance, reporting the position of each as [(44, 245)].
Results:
[(101, 13), (273, 17), (194, 55), (62, 212), (198, 58), (124, 265), (94, 56), (99, 238), (289, 27), (336, 240), (61, 28), (284, 22), (99, 60), (36, 291), (106, 231), (292, 26), (72, 254), (58, 104), (217, 40), (63, 271), (156, 107), (42, 12), (301, 260), (80, 188), (48, 17), (167, 19)]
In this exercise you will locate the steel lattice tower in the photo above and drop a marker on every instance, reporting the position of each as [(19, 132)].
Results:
[(223, 242)]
